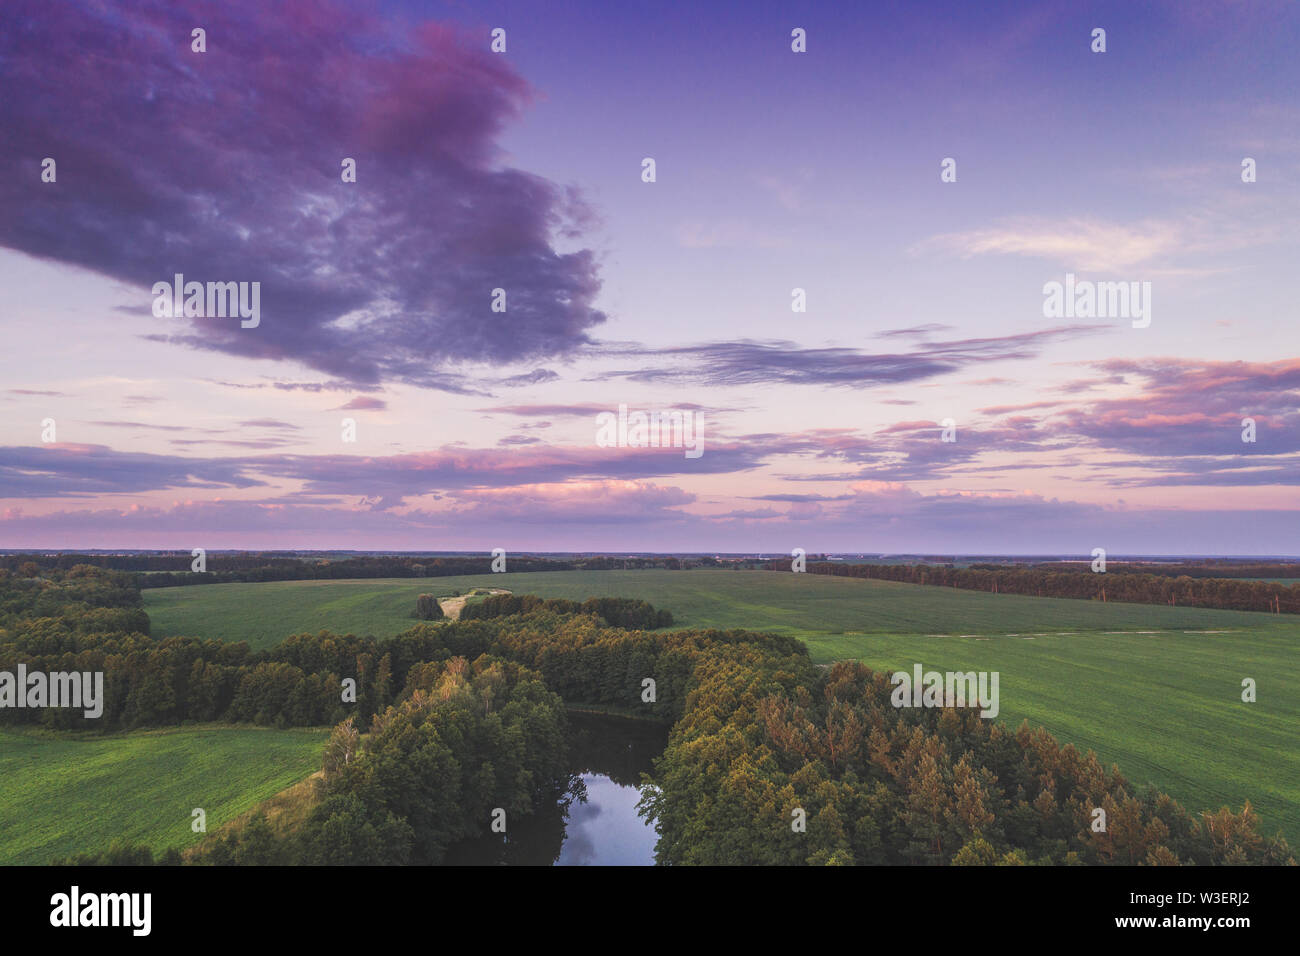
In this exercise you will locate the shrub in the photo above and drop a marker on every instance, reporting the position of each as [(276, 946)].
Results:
[(427, 608)]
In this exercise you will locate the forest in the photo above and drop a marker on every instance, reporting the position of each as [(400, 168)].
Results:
[(1075, 581)]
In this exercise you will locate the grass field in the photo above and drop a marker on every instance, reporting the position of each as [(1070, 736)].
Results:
[(803, 605), (1153, 688), (63, 795)]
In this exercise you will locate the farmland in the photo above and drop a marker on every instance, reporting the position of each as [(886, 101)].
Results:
[(70, 794), (799, 605), (1153, 688)]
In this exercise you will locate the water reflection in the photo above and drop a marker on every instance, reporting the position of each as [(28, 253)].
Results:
[(606, 830), (594, 822)]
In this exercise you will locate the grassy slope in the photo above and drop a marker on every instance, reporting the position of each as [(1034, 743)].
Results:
[(1165, 706), (64, 795)]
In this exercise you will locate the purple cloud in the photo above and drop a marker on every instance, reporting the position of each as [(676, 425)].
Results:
[(1190, 408), (66, 470), (747, 362), (225, 166)]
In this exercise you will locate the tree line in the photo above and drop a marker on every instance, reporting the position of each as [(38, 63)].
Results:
[(620, 612), (173, 569), (1206, 568), (1127, 587)]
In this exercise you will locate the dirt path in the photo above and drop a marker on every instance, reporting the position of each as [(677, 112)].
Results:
[(452, 606)]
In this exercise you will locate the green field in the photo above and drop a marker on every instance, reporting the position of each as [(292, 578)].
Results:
[(1149, 687), (65, 795), (803, 605)]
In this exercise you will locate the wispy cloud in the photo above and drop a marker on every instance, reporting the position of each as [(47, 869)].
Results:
[(363, 403), (747, 362), (1191, 244), (1082, 244)]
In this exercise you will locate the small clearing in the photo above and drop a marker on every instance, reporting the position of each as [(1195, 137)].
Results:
[(452, 606)]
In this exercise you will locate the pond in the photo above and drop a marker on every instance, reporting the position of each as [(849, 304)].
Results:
[(596, 822)]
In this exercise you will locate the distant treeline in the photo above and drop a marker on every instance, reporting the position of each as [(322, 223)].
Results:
[(771, 760), (88, 619), (172, 570), (1191, 569), (620, 612), (1079, 582)]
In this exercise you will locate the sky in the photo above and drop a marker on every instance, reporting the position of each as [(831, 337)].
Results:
[(922, 401)]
